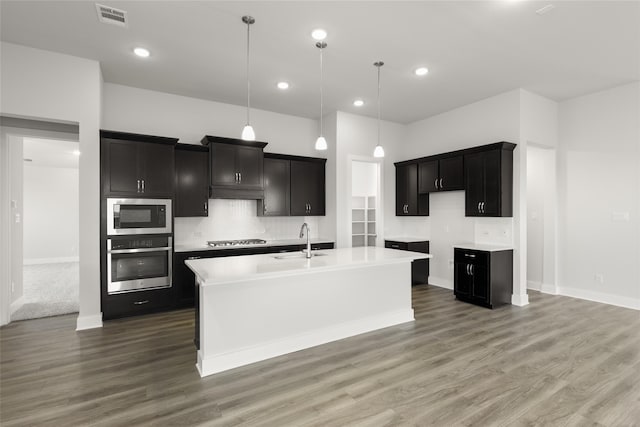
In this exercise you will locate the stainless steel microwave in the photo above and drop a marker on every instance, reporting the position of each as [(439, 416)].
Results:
[(138, 216)]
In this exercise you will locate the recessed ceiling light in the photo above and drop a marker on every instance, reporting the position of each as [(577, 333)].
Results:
[(141, 52), (283, 85), (76, 152), (422, 71), (358, 102), (319, 34)]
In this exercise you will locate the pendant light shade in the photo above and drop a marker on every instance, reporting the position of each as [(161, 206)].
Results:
[(378, 151), (321, 143), (247, 133)]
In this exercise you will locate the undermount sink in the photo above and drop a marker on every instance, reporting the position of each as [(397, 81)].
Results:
[(296, 255)]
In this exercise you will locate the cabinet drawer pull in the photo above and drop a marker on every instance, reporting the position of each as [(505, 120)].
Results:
[(395, 246), (470, 255), (141, 302), (194, 257)]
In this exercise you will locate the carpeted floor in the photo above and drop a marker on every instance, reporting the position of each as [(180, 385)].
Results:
[(49, 290)]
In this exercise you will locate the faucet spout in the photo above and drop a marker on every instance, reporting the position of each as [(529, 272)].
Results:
[(308, 250)]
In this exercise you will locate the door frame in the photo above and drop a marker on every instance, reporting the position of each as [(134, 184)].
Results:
[(379, 189)]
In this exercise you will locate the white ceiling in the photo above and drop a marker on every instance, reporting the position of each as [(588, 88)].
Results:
[(473, 49), (50, 152)]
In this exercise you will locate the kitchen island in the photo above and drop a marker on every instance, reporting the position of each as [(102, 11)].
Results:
[(255, 307)]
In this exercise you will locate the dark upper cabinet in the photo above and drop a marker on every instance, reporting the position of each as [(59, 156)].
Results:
[(446, 174), (408, 201), (483, 277), (192, 181), (134, 165), (236, 168), (308, 187), (489, 182), (277, 188)]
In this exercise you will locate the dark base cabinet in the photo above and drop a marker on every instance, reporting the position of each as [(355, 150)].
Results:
[(137, 303), (419, 267), (483, 277)]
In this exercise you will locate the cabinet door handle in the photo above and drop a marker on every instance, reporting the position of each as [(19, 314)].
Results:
[(141, 302), (479, 207), (310, 208), (441, 183), (240, 177), (467, 269), (436, 183), (205, 206), (138, 186), (471, 269), (407, 208), (143, 185)]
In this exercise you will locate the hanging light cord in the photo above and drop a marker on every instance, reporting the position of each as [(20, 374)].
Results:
[(248, 82), (321, 45), (379, 102)]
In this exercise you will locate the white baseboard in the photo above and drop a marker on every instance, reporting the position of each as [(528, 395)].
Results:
[(14, 306), (89, 322), (601, 297), (520, 300), (34, 261), (440, 282), (542, 287), (244, 356)]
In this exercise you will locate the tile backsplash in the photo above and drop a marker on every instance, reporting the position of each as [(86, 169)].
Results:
[(237, 219)]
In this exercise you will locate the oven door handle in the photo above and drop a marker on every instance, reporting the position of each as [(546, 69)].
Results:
[(140, 250)]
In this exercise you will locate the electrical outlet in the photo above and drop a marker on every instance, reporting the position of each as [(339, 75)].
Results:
[(599, 278)]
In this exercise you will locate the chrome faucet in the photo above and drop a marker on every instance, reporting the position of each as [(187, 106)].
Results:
[(308, 251)]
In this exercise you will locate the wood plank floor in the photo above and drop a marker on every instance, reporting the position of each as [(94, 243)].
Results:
[(558, 361)]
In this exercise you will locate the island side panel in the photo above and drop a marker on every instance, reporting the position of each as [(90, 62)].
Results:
[(245, 322)]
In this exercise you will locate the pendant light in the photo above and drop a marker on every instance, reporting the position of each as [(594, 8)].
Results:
[(321, 143), (247, 132), (378, 151)]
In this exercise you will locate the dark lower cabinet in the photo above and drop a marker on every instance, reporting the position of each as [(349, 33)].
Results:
[(192, 181), (483, 277), (137, 303), (419, 267)]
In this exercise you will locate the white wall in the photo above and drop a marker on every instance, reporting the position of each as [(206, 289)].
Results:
[(536, 186), (599, 184), (355, 140), (51, 214), (16, 166), (50, 86), (491, 120)]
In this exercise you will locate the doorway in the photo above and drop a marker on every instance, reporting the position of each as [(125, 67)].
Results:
[(366, 215), (40, 193), (541, 219)]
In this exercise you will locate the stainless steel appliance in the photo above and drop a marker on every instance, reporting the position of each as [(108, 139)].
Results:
[(137, 263), (138, 216), (242, 242)]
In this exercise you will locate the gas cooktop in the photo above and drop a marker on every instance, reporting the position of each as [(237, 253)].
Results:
[(242, 242)]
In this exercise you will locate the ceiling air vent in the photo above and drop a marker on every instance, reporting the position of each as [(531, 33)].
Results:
[(109, 15)]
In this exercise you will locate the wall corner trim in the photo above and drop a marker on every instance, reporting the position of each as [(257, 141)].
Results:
[(520, 300), (89, 322)]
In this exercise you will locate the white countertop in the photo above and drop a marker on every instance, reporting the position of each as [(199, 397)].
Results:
[(202, 246), (406, 239), (483, 247), (218, 271)]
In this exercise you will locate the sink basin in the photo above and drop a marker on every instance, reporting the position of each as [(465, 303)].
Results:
[(296, 255)]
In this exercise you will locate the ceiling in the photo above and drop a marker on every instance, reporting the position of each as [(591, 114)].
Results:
[(50, 152), (473, 49)]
